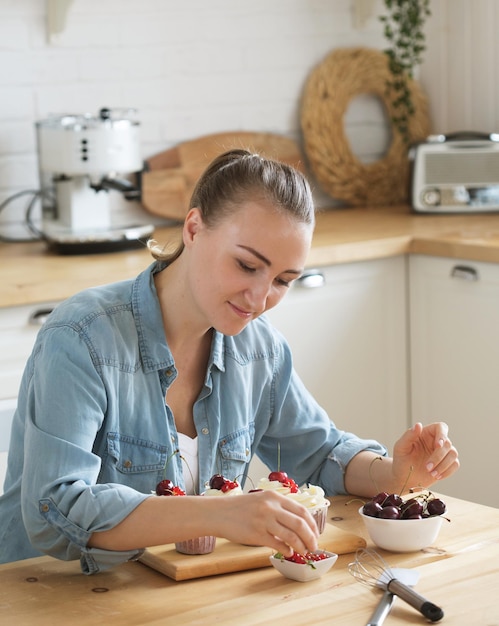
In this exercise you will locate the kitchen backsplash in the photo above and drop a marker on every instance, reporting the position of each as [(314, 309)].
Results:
[(190, 68), (201, 66)]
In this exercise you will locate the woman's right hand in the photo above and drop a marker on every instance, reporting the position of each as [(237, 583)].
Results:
[(264, 518)]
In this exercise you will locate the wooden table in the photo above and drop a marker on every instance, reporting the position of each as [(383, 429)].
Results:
[(460, 574)]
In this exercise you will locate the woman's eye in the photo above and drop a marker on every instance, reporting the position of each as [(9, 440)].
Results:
[(251, 270), (283, 283), (246, 268)]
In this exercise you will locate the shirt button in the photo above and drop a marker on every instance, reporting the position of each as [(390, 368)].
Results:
[(45, 508), (169, 372), (205, 431), (247, 452), (127, 464)]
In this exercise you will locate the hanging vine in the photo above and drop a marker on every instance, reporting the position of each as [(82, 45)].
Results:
[(404, 31)]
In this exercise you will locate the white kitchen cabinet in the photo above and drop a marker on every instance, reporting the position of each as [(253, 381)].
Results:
[(454, 322), (349, 341), (18, 328)]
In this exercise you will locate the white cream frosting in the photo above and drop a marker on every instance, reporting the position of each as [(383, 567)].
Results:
[(311, 497), (237, 491), (273, 485)]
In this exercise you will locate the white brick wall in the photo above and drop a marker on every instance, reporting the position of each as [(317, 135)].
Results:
[(190, 67)]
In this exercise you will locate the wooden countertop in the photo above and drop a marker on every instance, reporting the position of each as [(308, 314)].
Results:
[(30, 274), (460, 574)]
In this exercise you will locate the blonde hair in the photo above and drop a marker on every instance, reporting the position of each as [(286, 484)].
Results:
[(237, 176)]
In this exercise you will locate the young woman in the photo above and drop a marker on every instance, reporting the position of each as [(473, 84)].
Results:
[(181, 358)]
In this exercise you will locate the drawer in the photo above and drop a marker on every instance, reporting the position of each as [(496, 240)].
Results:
[(18, 329)]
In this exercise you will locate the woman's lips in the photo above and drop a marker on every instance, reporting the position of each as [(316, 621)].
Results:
[(240, 312)]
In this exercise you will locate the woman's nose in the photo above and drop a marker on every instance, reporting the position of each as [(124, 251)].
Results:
[(258, 296)]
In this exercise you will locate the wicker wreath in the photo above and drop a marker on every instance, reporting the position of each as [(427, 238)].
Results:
[(343, 75)]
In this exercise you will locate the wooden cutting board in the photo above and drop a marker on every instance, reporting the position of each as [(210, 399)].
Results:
[(170, 176), (232, 557)]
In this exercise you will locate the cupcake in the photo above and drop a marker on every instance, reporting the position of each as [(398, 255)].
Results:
[(219, 485), (312, 498), (199, 545), (278, 481)]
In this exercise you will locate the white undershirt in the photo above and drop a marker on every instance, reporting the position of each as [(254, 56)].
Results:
[(189, 451)]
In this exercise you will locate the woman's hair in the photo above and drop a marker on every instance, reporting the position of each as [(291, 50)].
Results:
[(238, 176)]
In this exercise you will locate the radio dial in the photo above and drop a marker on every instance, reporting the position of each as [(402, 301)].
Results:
[(431, 197)]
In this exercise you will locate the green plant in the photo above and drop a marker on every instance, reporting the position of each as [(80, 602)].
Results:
[(404, 31)]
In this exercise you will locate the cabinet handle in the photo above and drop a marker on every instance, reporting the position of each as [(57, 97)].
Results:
[(311, 280), (464, 272), (39, 317)]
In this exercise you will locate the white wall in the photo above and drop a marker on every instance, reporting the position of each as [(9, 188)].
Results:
[(190, 67), (194, 67)]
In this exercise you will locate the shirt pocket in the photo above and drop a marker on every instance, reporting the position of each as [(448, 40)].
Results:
[(235, 448), (132, 461), (132, 455)]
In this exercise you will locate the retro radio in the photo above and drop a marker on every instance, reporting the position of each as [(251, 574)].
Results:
[(456, 173)]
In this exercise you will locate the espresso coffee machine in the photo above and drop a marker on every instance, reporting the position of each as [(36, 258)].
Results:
[(83, 161)]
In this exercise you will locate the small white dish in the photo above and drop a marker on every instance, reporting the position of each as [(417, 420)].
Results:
[(304, 572)]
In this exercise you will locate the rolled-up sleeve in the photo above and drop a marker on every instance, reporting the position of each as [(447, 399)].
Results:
[(311, 447), (62, 502)]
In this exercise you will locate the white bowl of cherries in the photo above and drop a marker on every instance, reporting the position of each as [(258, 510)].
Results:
[(403, 525)]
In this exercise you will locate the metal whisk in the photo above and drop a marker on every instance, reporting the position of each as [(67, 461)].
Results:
[(371, 569)]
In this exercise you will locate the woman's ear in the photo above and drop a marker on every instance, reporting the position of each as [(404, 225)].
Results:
[(193, 223)]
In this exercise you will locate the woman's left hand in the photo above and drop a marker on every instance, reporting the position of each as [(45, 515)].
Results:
[(423, 455)]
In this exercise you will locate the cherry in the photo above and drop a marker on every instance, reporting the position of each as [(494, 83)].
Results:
[(285, 480), (312, 556), (380, 497), (392, 506), (164, 487), (372, 508), (303, 559), (217, 481), (412, 508), (298, 558), (393, 500), (436, 507), (280, 477), (289, 482), (389, 512)]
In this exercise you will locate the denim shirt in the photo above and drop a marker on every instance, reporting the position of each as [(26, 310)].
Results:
[(92, 431)]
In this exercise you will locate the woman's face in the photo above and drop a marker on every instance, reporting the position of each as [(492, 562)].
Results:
[(244, 265)]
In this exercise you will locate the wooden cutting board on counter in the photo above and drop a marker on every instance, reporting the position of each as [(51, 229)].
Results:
[(170, 176), (232, 557)]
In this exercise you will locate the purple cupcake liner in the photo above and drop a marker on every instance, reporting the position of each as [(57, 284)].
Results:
[(320, 516), (199, 545)]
